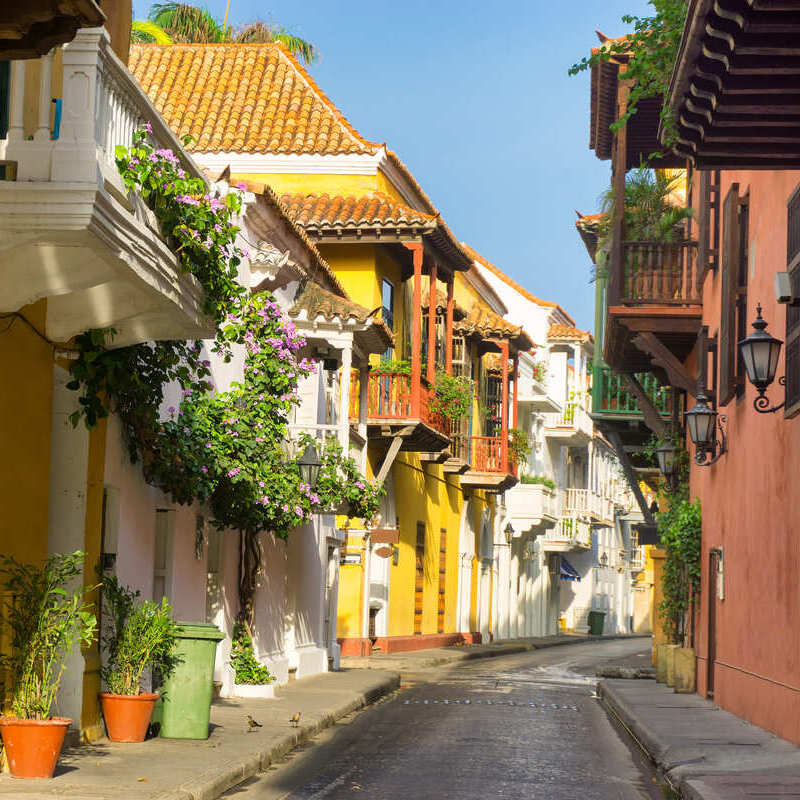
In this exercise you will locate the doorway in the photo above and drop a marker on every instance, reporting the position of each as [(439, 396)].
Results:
[(713, 578)]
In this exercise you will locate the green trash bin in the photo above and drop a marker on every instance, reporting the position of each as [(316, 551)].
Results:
[(596, 621), (186, 694)]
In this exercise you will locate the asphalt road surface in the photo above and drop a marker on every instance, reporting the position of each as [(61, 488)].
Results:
[(525, 726)]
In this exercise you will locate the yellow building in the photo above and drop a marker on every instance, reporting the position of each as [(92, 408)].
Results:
[(421, 573)]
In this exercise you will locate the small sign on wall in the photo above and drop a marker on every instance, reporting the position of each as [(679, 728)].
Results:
[(350, 559)]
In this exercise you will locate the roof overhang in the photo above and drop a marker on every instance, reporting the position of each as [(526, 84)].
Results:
[(735, 90)]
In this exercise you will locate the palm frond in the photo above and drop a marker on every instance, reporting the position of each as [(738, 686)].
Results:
[(299, 48), (186, 23), (145, 32)]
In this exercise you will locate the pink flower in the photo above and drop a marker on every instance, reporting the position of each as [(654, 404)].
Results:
[(147, 127), (241, 186)]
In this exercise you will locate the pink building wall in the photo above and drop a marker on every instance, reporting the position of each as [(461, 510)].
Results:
[(751, 507)]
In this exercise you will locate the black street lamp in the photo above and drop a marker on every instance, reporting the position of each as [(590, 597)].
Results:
[(760, 352), (509, 532), (667, 456), (309, 464), (703, 421), (604, 559)]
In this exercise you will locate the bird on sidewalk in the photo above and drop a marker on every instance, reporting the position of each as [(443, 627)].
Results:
[(295, 719), (252, 724)]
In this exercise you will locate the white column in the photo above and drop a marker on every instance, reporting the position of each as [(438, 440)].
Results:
[(503, 591), (344, 397), (16, 111), (42, 133), (513, 612), (75, 152), (69, 464)]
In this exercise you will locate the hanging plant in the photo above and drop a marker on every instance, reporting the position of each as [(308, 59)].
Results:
[(519, 446), (453, 396)]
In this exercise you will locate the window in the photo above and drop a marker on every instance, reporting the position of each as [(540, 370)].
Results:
[(793, 312), (162, 554), (733, 294), (387, 307), (5, 96), (419, 582)]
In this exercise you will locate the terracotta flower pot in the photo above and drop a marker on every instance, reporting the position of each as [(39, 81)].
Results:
[(127, 715), (33, 746)]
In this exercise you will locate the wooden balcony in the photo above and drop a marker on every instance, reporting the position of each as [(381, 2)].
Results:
[(395, 406), (487, 460), (653, 291)]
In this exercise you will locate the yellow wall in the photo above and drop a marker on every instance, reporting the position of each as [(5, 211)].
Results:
[(320, 184), (26, 396)]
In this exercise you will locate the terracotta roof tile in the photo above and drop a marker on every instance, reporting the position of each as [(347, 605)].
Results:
[(441, 304), (511, 282), (350, 211), (484, 323), (244, 98), (568, 332)]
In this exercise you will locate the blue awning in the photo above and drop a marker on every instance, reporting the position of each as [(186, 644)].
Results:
[(568, 572)]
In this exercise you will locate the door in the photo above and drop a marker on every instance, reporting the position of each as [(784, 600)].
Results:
[(713, 574), (442, 578), (419, 583)]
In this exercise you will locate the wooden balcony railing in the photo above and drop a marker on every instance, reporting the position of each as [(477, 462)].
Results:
[(482, 453), (655, 273), (611, 396), (390, 397)]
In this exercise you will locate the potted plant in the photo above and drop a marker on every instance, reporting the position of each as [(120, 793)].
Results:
[(251, 679), (140, 636), (47, 616)]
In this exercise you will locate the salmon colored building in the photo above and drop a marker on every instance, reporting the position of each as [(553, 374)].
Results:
[(678, 311)]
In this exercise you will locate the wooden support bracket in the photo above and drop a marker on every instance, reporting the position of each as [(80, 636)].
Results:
[(651, 416), (391, 454), (630, 475), (660, 355)]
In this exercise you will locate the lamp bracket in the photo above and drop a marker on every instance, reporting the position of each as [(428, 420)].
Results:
[(761, 403), (710, 455)]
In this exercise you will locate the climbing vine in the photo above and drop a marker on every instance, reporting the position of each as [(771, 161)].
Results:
[(653, 45), (230, 449)]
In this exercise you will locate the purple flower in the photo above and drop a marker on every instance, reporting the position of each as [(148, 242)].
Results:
[(208, 445), (147, 127), (241, 186), (171, 409), (204, 469), (234, 471)]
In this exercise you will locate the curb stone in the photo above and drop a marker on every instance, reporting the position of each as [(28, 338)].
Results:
[(226, 776)]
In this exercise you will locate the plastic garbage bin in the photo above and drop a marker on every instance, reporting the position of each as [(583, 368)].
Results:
[(186, 694), (596, 621)]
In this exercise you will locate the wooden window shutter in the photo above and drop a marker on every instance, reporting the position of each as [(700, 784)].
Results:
[(419, 581), (728, 291), (707, 224), (793, 312)]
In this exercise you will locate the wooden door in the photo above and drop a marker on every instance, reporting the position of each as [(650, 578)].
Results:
[(442, 578), (419, 584)]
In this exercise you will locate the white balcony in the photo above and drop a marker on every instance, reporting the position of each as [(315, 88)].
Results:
[(636, 559), (571, 534), (531, 505), (68, 230), (535, 394), (572, 425), (588, 505)]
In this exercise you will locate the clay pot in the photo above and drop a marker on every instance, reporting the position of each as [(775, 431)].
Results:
[(32, 746), (127, 715)]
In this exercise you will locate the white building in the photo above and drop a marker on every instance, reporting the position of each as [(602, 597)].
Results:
[(563, 546)]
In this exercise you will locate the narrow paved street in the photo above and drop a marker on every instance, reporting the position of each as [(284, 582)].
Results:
[(525, 726)]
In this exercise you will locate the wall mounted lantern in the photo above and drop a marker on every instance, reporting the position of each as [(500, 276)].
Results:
[(509, 532), (703, 421), (667, 456), (309, 464), (760, 353), (604, 559)]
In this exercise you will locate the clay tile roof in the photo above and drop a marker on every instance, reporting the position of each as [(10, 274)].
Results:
[(370, 210), (318, 303), (588, 226), (483, 322), (243, 98), (511, 282), (441, 304), (568, 332)]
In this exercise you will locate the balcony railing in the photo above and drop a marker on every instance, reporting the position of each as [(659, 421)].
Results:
[(658, 273), (570, 531), (390, 398), (482, 453), (572, 418), (611, 396), (530, 504), (636, 559)]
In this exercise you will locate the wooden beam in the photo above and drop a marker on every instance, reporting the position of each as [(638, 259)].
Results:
[(432, 324), (650, 414), (630, 476), (448, 327), (650, 344), (416, 331), (504, 410), (388, 460)]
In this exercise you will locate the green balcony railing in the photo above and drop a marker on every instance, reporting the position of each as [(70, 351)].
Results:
[(611, 396)]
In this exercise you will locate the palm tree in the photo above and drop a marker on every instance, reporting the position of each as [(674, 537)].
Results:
[(181, 22)]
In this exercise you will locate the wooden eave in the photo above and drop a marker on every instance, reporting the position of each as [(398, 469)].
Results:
[(642, 128), (31, 28), (491, 481), (417, 436), (735, 90)]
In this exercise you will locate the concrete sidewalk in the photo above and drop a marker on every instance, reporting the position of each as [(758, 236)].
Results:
[(705, 753), (416, 660), (171, 769)]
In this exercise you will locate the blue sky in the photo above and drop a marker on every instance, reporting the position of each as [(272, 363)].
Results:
[(475, 98)]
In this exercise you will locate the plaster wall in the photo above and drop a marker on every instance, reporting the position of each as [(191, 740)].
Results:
[(750, 507)]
